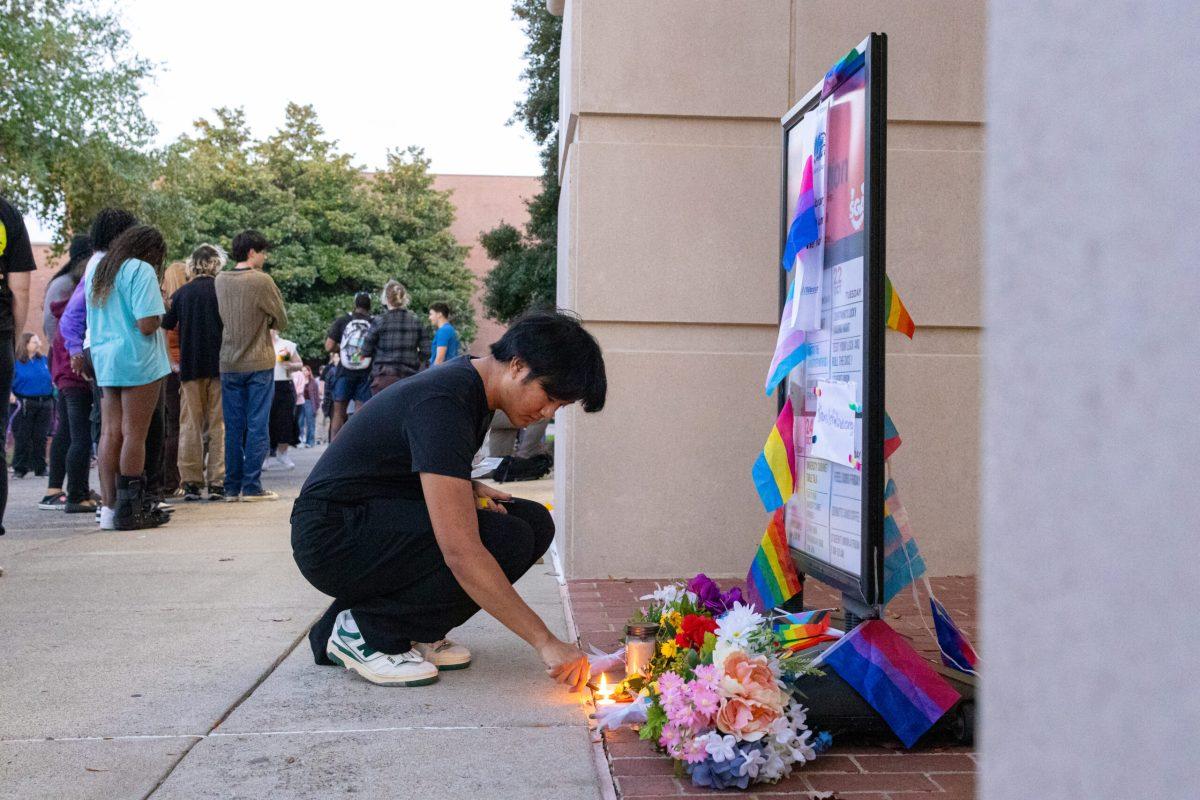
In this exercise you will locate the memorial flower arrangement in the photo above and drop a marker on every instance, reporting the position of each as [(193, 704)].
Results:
[(716, 698)]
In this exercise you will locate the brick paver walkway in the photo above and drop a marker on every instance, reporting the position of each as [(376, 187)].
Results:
[(853, 771)]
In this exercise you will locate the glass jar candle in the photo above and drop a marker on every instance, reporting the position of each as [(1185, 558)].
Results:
[(640, 641)]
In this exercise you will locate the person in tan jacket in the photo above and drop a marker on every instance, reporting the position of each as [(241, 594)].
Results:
[(250, 306)]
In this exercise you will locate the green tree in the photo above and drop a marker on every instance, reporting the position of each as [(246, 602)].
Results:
[(72, 131), (335, 230), (526, 261)]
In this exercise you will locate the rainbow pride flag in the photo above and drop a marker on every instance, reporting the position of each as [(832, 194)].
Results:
[(902, 561), (897, 315), (803, 231), (774, 470), (891, 437), (772, 579), (801, 631), (791, 347), (957, 652), (892, 677)]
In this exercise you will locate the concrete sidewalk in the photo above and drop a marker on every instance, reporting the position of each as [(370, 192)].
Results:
[(172, 664)]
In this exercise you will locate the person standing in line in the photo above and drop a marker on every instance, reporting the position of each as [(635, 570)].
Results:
[(398, 343), (299, 384), (174, 277), (195, 316), (129, 356), (285, 432), (67, 385), (35, 398), (445, 340), (250, 305), (72, 325), (16, 262), (312, 401), (352, 378), (328, 376)]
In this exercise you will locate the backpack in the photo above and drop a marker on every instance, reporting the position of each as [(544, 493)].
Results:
[(354, 335), (515, 468)]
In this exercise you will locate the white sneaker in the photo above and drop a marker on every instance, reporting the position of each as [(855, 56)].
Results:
[(286, 461), (107, 518), (445, 654), (266, 494), (346, 647), (271, 463)]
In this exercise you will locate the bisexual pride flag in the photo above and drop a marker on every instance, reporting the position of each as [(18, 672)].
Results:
[(774, 471), (957, 652), (892, 677), (803, 231), (772, 579)]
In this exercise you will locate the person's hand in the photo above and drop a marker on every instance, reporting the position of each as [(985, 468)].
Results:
[(565, 663), (487, 497), (77, 363)]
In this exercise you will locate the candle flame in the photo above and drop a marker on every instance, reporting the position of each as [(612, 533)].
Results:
[(603, 689)]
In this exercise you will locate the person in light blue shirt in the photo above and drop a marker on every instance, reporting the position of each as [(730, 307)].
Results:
[(445, 340), (129, 356)]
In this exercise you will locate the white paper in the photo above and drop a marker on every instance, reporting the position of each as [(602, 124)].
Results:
[(834, 425)]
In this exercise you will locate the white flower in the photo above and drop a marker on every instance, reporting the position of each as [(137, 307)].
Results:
[(721, 748), (772, 769), (753, 763), (669, 595), (735, 625), (797, 715), (781, 731), (721, 651)]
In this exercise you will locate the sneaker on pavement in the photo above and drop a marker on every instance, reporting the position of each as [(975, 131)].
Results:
[(272, 463), (445, 654), (191, 492), (107, 518), (265, 494), (286, 461), (230, 498), (88, 506), (216, 493), (53, 502), (347, 648)]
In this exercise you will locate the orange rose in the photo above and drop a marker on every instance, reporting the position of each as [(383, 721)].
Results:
[(745, 719), (752, 679)]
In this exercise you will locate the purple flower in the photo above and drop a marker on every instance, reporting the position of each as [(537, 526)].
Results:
[(708, 594), (734, 595)]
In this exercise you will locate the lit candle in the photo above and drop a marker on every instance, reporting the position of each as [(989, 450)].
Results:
[(604, 692)]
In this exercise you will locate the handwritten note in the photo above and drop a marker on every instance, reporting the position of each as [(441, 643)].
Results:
[(834, 424)]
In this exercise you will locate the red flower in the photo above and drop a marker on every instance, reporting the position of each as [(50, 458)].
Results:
[(692, 630)]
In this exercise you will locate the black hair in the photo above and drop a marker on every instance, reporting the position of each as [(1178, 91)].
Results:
[(441, 308), (246, 241), (362, 300), (80, 252), (564, 357), (143, 242), (108, 225)]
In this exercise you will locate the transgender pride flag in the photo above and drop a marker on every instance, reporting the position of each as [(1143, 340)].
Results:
[(790, 348)]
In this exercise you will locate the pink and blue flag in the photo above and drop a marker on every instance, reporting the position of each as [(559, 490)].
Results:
[(893, 678), (803, 231), (902, 561), (791, 348), (957, 652)]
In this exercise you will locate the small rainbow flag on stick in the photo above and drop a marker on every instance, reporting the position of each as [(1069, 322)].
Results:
[(802, 631), (773, 579), (891, 437), (897, 315), (774, 471)]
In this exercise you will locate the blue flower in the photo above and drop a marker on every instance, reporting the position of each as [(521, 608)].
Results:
[(725, 774), (823, 742)]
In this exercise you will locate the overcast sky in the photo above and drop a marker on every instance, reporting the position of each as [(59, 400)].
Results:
[(439, 74)]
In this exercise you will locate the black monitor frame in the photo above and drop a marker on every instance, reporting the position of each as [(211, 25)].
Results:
[(862, 596)]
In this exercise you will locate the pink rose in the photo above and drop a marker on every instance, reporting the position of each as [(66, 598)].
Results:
[(745, 719), (752, 679)]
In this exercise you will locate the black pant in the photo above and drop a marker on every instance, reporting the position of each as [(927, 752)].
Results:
[(170, 462), (155, 477), (6, 379), (380, 560), (31, 427), (71, 450)]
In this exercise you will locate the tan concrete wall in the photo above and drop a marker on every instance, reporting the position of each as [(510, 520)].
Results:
[(668, 248)]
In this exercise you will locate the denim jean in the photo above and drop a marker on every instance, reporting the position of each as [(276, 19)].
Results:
[(308, 422), (246, 400)]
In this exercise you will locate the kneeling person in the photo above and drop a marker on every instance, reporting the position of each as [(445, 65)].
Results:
[(390, 524)]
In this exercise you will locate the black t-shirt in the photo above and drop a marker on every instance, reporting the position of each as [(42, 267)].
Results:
[(194, 310), (432, 422), (16, 255), (339, 326)]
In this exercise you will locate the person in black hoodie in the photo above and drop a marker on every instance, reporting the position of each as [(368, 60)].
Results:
[(201, 424)]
